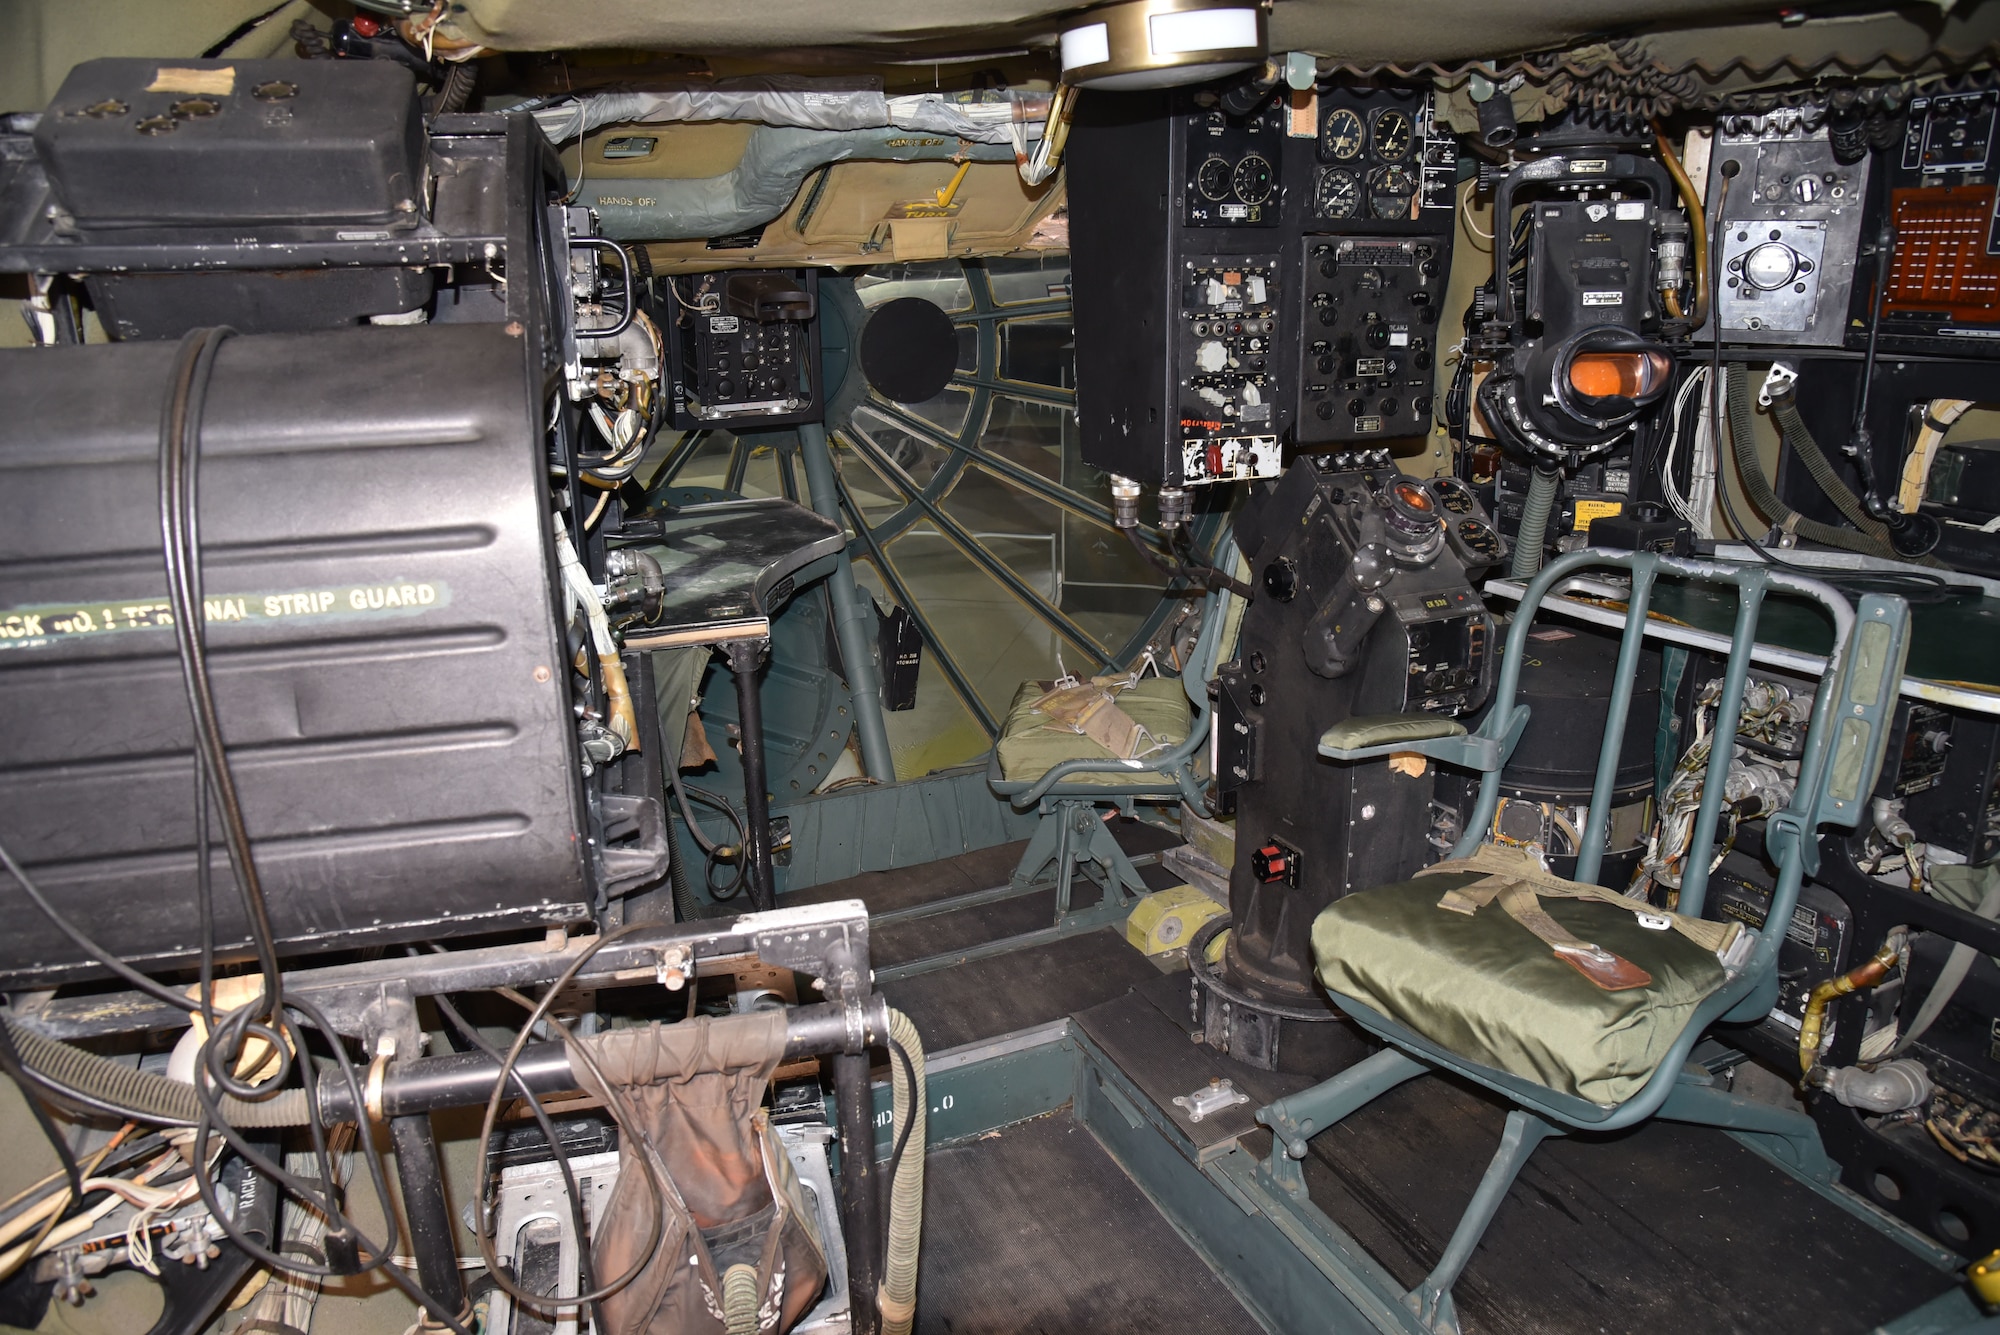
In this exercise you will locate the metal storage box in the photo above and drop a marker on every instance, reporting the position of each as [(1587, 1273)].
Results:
[(382, 628)]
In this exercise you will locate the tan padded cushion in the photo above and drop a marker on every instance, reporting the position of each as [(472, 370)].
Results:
[(1029, 748)]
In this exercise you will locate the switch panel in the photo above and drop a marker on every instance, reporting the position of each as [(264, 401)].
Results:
[(1229, 328), (1369, 335), (731, 367), (1794, 220)]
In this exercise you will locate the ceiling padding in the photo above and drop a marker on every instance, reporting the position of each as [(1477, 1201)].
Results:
[(1358, 29), (766, 25)]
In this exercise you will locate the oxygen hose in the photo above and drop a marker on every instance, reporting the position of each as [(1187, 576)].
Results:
[(1533, 536), (896, 1300), (145, 1097), (1793, 431), (1750, 474)]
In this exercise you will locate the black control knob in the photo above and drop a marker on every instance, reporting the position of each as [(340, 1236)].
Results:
[(1420, 405), (1356, 407), (1327, 315), (723, 388), (1377, 335), (1421, 359), (1326, 364), (1389, 407), (1281, 579), (1323, 410)]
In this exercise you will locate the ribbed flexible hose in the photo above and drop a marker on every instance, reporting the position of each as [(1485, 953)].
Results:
[(1528, 544), (739, 1300), (897, 1298), (144, 1096), (1750, 474), (1793, 431)]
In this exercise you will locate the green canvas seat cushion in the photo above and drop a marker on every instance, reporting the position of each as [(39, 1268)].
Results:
[(1029, 748), (1487, 989)]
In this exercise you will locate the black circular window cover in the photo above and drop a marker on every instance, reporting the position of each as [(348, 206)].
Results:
[(909, 350)]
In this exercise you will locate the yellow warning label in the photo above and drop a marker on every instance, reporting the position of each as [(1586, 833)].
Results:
[(1586, 511)]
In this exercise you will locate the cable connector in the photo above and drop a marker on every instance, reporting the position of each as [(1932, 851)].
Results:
[(1124, 502)]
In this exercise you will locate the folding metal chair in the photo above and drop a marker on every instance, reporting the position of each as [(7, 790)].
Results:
[(1842, 753)]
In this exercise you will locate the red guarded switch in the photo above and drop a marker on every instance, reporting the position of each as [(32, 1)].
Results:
[(1271, 863)]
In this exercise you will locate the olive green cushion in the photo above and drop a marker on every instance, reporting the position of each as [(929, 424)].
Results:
[(1028, 748), (1487, 989)]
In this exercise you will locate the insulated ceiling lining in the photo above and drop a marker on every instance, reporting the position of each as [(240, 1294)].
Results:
[(1356, 29)]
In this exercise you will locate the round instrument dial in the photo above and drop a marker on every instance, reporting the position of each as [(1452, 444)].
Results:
[(1341, 137), (1253, 179), (1394, 135), (1339, 193), (1453, 495), (1478, 538), (1771, 266), (1213, 179), (1391, 191)]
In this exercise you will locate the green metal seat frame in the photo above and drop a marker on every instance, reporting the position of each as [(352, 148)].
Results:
[(1843, 752), (1072, 832)]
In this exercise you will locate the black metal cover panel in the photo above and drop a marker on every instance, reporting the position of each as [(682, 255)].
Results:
[(381, 620), (131, 143)]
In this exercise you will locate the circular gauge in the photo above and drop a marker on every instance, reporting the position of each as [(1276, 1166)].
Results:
[(1453, 495), (1213, 179), (1253, 179), (1339, 194), (1479, 539), (1394, 134), (1341, 137), (1391, 190)]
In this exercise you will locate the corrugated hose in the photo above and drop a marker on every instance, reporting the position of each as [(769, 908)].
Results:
[(141, 1095)]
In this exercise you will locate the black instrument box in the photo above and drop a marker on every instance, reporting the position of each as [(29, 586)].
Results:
[(134, 146)]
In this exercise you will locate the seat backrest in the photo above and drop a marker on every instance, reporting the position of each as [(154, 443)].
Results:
[(1221, 619), (1222, 616), (1844, 743)]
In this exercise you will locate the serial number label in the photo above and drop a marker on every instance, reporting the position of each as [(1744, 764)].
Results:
[(33, 627)]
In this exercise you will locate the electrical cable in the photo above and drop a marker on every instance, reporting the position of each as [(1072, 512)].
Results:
[(620, 1113), (156, 990), (10, 1062), (471, 1035), (180, 457), (903, 1136), (377, 1257)]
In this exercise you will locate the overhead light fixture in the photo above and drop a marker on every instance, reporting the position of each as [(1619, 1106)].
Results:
[(1161, 43)]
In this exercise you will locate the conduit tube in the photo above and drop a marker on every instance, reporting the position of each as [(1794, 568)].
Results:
[(775, 163), (1528, 545), (141, 1095), (897, 1300), (1751, 475), (800, 102)]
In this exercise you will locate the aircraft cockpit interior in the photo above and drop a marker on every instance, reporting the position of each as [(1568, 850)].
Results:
[(1162, 667)]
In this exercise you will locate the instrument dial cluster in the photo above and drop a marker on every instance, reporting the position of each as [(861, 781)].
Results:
[(1232, 167), (1376, 153)]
